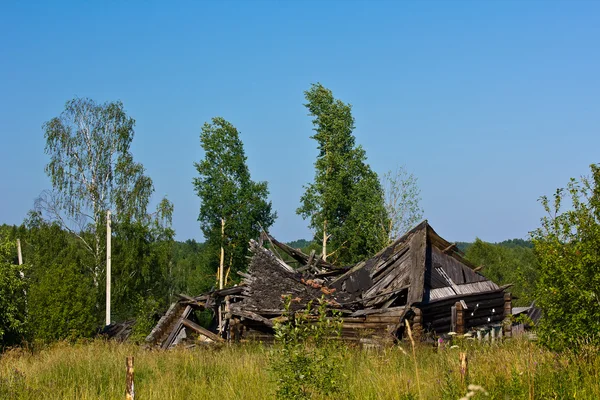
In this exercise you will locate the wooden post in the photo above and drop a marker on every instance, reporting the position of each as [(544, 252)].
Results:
[(460, 318), (453, 319), (464, 367), (507, 325), (417, 326), (227, 319), (108, 266), (129, 389)]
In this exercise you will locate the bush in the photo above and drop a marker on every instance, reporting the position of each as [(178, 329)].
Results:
[(568, 247), (308, 355)]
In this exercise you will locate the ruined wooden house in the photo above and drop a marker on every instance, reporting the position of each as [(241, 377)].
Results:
[(420, 277)]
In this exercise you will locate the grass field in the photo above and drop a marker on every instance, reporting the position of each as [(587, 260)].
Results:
[(96, 370)]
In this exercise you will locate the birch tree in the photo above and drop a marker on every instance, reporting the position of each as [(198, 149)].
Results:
[(402, 197), (92, 170)]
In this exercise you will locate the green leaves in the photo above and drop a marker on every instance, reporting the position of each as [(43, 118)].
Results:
[(507, 263), (344, 203), (308, 354), (92, 170), (12, 294), (567, 245), (227, 192)]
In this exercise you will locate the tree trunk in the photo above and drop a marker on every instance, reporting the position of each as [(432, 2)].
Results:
[(324, 254)]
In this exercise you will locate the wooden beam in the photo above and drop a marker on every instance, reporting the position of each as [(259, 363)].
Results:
[(460, 318), (447, 249), (195, 327), (251, 315), (176, 328)]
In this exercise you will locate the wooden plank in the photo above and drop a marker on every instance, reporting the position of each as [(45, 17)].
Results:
[(467, 297), (418, 247), (395, 311), (195, 327), (251, 315), (163, 323), (176, 328), (192, 301), (367, 325)]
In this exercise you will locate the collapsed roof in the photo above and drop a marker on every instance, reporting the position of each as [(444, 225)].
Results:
[(420, 274)]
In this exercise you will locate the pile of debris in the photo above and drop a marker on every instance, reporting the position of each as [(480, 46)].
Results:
[(420, 277)]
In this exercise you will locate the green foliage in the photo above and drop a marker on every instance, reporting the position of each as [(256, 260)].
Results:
[(308, 355), (142, 257), (92, 170), (567, 245), (192, 272), (63, 300), (12, 294), (145, 318), (300, 244), (62, 297), (227, 193), (504, 264), (345, 203)]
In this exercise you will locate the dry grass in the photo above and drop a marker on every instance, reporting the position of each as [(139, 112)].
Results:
[(96, 370)]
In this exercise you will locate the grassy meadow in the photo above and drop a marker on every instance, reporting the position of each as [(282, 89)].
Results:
[(96, 370)]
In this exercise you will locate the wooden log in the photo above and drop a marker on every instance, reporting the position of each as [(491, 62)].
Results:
[(251, 315), (129, 383)]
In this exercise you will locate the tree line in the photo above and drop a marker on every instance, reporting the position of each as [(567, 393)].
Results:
[(58, 292)]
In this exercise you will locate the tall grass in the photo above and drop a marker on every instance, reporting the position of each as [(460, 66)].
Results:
[(96, 370)]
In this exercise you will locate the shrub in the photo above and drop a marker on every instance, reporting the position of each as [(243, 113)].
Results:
[(308, 354), (567, 245)]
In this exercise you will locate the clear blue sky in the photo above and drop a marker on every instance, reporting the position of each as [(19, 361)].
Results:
[(490, 103)]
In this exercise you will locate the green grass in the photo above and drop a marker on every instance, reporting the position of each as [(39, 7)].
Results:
[(96, 370)]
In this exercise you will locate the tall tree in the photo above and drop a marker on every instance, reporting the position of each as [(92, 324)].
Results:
[(233, 207), (402, 196), (345, 203), (92, 171), (569, 264)]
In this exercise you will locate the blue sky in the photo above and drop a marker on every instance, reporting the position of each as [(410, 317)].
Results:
[(491, 104)]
